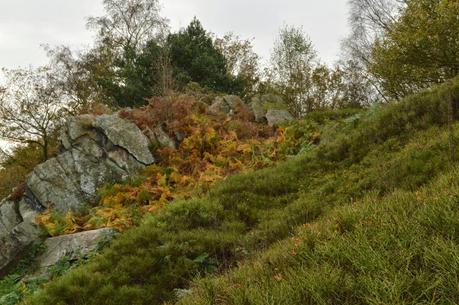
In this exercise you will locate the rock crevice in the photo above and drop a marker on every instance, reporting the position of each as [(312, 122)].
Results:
[(95, 150)]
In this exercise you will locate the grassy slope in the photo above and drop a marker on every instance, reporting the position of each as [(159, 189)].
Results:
[(368, 217), (400, 249)]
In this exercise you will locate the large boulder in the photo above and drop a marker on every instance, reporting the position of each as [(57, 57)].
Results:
[(9, 217), (233, 101), (276, 117), (273, 104), (259, 111), (227, 104), (94, 151), (70, 180), (271, 98), (71, 247), (219, 106), (17, 230)]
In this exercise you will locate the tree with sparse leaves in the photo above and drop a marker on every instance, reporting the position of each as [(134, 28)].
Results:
[(369, 20), (30, 108), (292, 63), (129, 24), (242, 61), (359, 88)]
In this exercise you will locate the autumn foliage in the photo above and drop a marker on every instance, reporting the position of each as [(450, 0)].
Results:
[(209, 148)]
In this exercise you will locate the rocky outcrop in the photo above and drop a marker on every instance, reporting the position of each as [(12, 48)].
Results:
[(275, 117), (97, 150), (226, 104), (270, 108), (71, 247), (94, 151), (17, 229)]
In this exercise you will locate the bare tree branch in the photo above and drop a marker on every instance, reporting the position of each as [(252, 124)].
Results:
[(30, 103)]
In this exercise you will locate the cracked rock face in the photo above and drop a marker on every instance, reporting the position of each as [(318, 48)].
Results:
[(17, 229), (95, 151), (226, 104), (126, 135)]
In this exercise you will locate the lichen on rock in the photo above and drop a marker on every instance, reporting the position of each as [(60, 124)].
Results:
[(95, 150)]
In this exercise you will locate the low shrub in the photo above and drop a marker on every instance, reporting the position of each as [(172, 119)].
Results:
[(374, 224)]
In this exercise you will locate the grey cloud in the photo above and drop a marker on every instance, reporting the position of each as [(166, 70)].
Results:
[(325, 21), (26, 24)]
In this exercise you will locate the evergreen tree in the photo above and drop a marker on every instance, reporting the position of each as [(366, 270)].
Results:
[(195, 58)]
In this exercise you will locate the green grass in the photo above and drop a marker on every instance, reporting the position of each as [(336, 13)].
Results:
[(399, 249), (367, 217)]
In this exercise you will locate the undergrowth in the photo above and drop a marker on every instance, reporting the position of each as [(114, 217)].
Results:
[(212, 147), (398, 249), (368, 216), (12, 288)]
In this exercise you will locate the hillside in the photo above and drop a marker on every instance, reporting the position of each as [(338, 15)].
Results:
[(366, 213)]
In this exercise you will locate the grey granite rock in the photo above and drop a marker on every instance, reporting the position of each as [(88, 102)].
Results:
[(125, 134), (276, 117), (18, 230), (71, 247), (95, 150)]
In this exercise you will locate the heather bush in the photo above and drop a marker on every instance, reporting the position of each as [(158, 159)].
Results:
[(379, 229)]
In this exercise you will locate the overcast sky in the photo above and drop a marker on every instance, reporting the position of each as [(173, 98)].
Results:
[(27, 24)]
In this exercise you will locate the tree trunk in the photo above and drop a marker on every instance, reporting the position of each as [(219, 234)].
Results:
[(452, 109), (45, 148)]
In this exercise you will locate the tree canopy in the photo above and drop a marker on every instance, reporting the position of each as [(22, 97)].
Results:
[(420, 49), (31, 108), (129, 23), (195, 58), (292, 63)]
